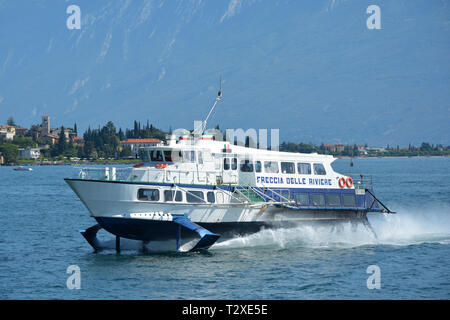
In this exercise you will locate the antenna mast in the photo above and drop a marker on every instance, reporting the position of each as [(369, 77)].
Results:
[(219, 96)]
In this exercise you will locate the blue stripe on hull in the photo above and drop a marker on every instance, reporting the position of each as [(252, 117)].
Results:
[(362, 201)]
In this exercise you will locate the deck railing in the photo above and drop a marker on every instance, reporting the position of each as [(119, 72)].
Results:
[(360, 181), (206, 177)]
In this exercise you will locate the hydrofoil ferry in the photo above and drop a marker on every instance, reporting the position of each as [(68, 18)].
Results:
[(193, 186)]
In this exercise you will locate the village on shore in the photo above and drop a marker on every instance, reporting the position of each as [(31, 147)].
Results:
[(43, 145)]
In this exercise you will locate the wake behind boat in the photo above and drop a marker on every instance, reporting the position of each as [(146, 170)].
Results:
[(193, 185)]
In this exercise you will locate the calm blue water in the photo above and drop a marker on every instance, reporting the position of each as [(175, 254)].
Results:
[(39, 239)]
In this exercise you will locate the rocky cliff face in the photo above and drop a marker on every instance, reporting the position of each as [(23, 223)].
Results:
[(314, 70)]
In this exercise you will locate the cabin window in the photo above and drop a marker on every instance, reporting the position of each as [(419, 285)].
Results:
[(318, 199), (210, 197), (189, 156), (271, 167), (168, 155), (156, 155), (319, 169), (169, 196), (234, 164), (148, 194), (258, 166), (199, 157), (302, 199), (349, 200), (288, 167), (334, 200), (226, 163), (246, 166), (304, 168), (195, 196), (144, 155)]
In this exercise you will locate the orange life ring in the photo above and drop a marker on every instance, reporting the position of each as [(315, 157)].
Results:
[(161, 165), (341, 182), (349, 182)]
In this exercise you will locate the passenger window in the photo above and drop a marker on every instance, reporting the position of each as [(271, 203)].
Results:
[(226, 163), (258, 166), (210, 197), (334, 200), (271, 167), (318, 199), (319, 169), (349, 200), (246, 166), (288, 167), (302, 199), (234, 164), (195, 196), (304, 168), (168, 196), (199, 157), (148, 194)]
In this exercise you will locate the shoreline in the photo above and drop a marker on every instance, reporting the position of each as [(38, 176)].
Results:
[(391, 157), (133, 162), (70, 163)]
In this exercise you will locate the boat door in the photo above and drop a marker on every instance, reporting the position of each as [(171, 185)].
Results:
[(230, 169), (246, 172)]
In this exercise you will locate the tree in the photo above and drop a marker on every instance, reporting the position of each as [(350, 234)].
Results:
[(23, 142), (34, 131), (62, 143), (121, 135), (9, 152), (126, 152), (94, 154), (10, 121), (425, 146)]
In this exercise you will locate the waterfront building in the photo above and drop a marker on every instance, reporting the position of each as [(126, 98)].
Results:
[(29, 153)]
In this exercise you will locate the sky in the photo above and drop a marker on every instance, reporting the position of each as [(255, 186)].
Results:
[(320, 71)]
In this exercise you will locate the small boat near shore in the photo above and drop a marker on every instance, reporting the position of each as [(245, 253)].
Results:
[(21, 168)]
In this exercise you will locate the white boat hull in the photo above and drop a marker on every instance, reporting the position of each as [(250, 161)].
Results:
[(115, 206)]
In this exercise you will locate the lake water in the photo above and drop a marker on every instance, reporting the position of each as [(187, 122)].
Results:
[(39, 240)]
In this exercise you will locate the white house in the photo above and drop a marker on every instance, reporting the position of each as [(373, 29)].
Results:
[(29, 153), (7, 132)]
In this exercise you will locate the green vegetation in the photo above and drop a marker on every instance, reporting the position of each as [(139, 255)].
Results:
[(104, 143), (98, 144), (10, 152)]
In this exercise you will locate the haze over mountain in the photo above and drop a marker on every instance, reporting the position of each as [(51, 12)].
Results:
[(310, 68)]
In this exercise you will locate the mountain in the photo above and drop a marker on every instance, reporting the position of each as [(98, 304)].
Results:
[(309, 68)]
